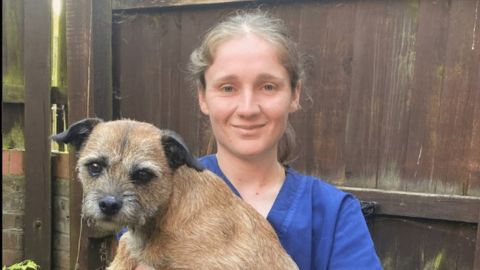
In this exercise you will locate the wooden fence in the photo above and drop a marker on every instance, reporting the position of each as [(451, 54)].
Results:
[(393, 114)]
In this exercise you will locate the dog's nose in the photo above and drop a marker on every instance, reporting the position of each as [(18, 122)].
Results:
[(109, 205)]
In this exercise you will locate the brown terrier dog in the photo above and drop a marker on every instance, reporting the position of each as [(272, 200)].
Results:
[(179, 216)]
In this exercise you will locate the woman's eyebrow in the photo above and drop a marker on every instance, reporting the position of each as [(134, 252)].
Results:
[(268, 76), (259, 77), (225, 78)]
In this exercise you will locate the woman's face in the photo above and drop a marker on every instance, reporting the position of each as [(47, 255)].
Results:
[(248, 97)]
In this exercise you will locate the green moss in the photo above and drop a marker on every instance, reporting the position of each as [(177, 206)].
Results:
[(413, 10), (438, 260), (14, 139), (13, 42), (439, 72)]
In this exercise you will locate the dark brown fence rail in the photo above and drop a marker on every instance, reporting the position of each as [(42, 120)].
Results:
[(392, 114)]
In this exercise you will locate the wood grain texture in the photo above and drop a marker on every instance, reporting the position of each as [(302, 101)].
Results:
[(406, 243), (421, 205), (148, 4), (394, 93), (38, 185), (89, 95)]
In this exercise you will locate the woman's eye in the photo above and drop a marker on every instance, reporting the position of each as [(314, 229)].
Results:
[(269, 87), (94, 169), (227, 88)]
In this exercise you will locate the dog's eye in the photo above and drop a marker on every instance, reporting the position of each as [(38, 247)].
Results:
[(94, 168), (142, 176)]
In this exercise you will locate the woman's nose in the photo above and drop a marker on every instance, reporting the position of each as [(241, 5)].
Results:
[(248, 103)]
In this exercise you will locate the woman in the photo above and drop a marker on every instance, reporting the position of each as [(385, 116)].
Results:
[(248, 75)]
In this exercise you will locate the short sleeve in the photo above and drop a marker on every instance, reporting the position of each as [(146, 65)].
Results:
[(353, 247)]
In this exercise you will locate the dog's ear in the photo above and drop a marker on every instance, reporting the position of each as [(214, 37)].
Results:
[(177, 153), (78, 132)]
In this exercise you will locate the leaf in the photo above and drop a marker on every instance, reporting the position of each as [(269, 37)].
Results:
[(25, 265)]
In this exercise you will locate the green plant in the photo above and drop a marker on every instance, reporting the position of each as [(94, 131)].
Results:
[(25, 265)]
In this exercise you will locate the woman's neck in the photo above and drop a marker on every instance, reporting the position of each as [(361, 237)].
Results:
[(248, 169), (257, 180)]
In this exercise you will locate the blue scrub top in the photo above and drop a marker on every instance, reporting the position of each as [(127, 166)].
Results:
[(320, 226)]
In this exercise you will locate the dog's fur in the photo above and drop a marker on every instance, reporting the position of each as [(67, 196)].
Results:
[(179, 215)]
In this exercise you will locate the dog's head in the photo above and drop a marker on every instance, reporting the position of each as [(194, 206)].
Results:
[(125, 168)]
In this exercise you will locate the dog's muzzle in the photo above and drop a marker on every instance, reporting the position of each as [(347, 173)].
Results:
[(110, 205)]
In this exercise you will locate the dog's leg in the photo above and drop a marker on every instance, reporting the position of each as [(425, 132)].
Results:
[(122, 260)]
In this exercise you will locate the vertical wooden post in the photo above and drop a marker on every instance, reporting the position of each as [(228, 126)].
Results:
[(88, 25), (102, 58), (78, 85), (38, 189)]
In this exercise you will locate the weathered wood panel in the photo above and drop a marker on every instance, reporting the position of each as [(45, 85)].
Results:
[(38, 185), (403, 243), (394, 93), (423, 137), (396, 49), (421, 205), (378, 108), (325, 127), (101, 52), (148, 4), (472, 155), (78, 57), (89, 95)]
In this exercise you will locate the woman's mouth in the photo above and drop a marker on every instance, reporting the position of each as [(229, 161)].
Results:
[(249, 127)]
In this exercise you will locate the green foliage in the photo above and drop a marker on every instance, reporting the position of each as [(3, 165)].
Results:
[(25, 265)]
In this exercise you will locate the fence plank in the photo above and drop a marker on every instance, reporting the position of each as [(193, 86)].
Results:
[(88, 25), (473, 153), (453, 130), (101, 47), (38, 202), (421, 205), (321, 127), (141, 4), (362, 132), (78, 84), (411, 243), (425, 98), (397, 44)]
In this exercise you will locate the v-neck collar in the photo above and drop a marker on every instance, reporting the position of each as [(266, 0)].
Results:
[(282, 203)]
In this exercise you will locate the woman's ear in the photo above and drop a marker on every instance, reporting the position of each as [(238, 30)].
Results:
[(295, 103), (202, 101)]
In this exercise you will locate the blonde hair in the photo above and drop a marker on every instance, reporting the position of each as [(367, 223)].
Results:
[(264, 26)]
